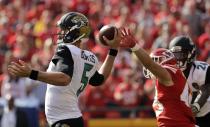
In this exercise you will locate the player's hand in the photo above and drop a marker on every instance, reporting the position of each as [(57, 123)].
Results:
[(115, 42), (194, 109), (20, 69), (127, 38)]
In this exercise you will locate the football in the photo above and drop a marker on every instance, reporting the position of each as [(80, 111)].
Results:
[(108, 31)]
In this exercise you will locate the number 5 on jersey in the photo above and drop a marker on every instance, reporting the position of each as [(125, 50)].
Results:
[(84, 80)]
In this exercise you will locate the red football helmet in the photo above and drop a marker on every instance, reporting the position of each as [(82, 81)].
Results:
[(161, 56)]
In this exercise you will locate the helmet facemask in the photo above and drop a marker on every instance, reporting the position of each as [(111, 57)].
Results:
[(184, 51), (156, 59), (183, 56), (160, 56)]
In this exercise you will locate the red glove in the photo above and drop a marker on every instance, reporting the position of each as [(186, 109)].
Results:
[(127, 39)]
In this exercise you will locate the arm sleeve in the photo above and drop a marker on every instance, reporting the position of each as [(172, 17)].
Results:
[(207, 81), (63, 60), (97, 79)]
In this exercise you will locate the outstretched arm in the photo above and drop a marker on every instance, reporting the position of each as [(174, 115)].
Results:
[(99, 77), (22, 69), (158, 71), (63, 69)]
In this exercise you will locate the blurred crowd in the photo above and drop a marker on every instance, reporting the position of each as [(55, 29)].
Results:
[(28, 32)]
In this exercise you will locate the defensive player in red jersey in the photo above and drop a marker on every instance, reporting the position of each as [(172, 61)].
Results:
[(172, 99)]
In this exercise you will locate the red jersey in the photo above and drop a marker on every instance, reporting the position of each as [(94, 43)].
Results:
[(129, 95), (171, 103)]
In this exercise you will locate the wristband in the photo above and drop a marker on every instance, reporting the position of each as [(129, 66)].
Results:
[(34, 74), (197, 106), (113, 52), (135, 48)]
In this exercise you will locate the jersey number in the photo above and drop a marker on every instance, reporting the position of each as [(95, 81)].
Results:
[(84, 79), (202, 66)]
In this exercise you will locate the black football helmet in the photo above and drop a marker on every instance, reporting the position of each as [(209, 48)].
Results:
[(74, 26), (184, 50)]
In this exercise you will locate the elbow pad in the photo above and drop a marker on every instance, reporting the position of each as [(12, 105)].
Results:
[(97, 79)]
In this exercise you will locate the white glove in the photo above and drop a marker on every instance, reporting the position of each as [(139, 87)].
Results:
[(195, 107)]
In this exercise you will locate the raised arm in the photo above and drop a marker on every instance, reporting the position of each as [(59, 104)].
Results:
[(107, 65), (158, 71), (100, 76), (106, 68)]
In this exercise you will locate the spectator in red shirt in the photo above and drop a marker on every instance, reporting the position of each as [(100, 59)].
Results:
[(127, 93), (81, 6), (110, 85), (204, 43), (94, 99), (22, 49)]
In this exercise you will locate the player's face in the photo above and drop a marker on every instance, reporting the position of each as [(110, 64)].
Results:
[(181, 58)]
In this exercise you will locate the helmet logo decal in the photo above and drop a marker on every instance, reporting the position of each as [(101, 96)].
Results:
[(79, 20)]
